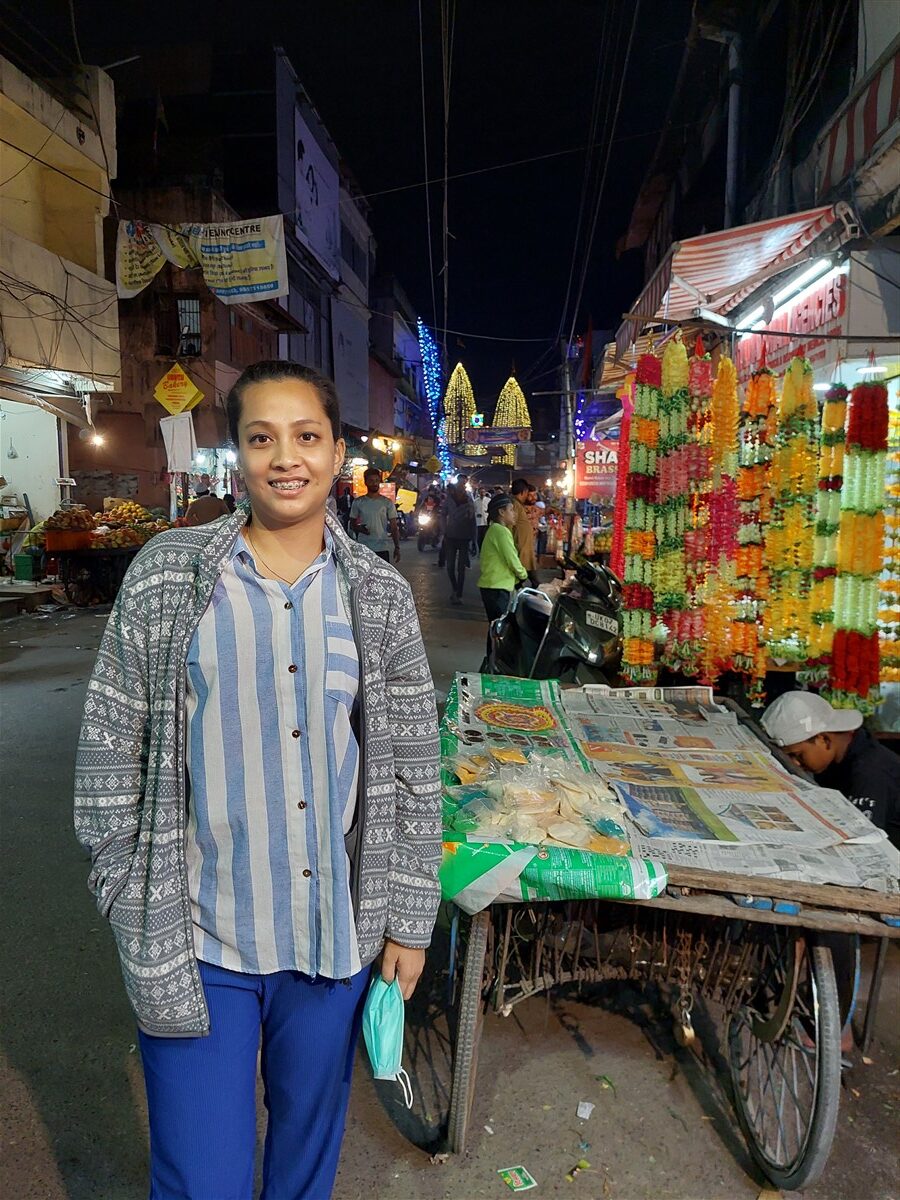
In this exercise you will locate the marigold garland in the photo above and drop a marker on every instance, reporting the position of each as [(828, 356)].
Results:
[(640, 522), (757, 437), (790, 534), (719, 599), (828, 520), (860, 546)]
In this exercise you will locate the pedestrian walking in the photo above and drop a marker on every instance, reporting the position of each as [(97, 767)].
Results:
[(374, 520), (262, 813), (501, 567), (459, 536), (482, 501), (523, 530)]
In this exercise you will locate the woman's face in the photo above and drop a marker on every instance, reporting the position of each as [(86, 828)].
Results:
[(288, 454), (507, 516)]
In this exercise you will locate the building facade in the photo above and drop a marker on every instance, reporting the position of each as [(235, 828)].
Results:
[(59, 333)]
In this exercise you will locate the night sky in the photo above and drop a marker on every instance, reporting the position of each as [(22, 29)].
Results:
[(523, 80)]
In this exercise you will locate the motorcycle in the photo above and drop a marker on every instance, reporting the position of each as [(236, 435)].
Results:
[(576, 638), (429, 530)]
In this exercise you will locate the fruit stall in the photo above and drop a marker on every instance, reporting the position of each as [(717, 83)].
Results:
[(94, 550)]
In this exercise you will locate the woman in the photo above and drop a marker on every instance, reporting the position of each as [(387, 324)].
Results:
[(257, 782), (501, 567)]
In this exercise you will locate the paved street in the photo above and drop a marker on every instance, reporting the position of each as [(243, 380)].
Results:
[(73, 1114)]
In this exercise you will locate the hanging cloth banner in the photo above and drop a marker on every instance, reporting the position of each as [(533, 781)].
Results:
[(241, 261)]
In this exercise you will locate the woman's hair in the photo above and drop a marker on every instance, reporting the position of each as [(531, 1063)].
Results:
[(273, 370)]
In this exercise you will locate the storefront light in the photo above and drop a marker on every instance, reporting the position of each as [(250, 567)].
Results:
[(230, 457), (97, 439), (813, 272), (359, 462), (377, 443), (395, 446), (364, 438)]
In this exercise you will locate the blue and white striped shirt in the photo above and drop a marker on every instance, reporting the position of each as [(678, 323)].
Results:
[(272, 760)]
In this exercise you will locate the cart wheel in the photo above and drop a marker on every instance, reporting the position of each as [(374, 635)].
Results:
[(468, 1033), (785, 1055)]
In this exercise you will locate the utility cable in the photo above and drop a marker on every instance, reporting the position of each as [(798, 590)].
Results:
[(615, 120), (425, 156)]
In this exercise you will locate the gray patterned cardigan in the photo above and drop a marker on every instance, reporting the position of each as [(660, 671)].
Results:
[(130, 786)]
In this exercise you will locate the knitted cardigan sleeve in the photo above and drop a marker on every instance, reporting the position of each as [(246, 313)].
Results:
[(413, 888), (111, 763)]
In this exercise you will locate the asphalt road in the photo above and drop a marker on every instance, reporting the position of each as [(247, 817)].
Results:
[(72, 1115)]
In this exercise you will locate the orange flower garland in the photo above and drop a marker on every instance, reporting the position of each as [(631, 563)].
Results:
[(640, 521), (790, 535), (720, 610)]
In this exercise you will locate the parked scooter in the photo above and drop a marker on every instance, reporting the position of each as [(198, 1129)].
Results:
[(575, 638), (429, 529)]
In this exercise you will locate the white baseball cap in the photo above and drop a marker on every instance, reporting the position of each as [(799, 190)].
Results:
[(798, 716)]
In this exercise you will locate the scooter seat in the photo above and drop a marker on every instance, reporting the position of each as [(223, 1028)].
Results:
[(532, 609)]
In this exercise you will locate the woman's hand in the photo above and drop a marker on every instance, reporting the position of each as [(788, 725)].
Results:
[(407, 965)]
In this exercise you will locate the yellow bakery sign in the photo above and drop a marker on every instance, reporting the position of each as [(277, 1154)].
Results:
[(177, 392)]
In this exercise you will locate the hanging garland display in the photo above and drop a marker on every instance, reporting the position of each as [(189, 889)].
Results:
[(669, 569), (828, 521), (719, 623), (855, 659), (889, 584), (640, 523), (757, 438), (617, 551), (790, 534), (687, 476)]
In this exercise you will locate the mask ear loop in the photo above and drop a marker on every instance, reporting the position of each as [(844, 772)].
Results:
[(403, 1079)]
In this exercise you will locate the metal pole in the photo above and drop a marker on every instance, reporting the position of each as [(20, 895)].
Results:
[(734, 130)]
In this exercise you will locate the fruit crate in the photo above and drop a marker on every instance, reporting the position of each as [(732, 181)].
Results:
[(67, 539)]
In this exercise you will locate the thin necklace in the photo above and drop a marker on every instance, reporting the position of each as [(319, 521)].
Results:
[(255, 549)]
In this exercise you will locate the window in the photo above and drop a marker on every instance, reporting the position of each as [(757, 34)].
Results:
[(353, 253), (189, 326), (178, 326)]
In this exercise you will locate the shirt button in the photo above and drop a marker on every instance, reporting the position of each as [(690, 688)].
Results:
[(295, 733), (292, 668), (287, 604), (301, 804), (307, 873)]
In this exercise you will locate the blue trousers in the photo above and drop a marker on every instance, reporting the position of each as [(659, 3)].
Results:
[(201, 1091)]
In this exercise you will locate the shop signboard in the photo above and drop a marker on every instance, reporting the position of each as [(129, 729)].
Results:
[(475, 436), (596, 466), (317, 194), (177, 392)]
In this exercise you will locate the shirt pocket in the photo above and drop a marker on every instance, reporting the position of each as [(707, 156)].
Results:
[(341, 661)]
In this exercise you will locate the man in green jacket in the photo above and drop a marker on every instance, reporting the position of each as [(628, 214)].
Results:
[(501, 567)]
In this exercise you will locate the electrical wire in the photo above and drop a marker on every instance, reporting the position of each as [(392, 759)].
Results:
[(597, 206), (425, 156), (599, 78)]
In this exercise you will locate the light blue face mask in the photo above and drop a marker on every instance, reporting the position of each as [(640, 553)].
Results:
[(383, 1018)]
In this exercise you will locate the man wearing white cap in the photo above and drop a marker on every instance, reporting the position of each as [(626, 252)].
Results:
[(831, 745)]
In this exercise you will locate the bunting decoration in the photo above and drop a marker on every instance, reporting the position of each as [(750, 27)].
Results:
[(719, 631)]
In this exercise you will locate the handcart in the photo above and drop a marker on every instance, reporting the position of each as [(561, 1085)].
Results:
[(93, 576), (779, 957)]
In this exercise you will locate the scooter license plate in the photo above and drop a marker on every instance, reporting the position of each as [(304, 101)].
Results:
[(602, 621)]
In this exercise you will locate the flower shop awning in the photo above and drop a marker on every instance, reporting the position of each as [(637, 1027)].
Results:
[(716, 271)]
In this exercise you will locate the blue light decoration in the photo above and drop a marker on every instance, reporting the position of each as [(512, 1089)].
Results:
[(431, 367)]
